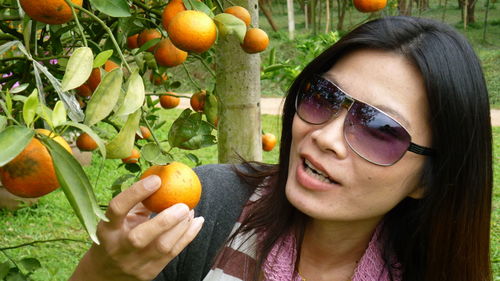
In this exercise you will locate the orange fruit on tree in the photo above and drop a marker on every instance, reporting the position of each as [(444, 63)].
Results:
[(240, 13), (49, 11), (85, 142), (197, 100), (132, 41), (256, 40), (94, 78), (110, 65), (167, 54), (147, 35), (84, 91), (157, 78), (145, 132), (268, 141), (133, 158), (169, 101), (369, 6), (171, 9), (192, 31), (31, 173), (179, 184)]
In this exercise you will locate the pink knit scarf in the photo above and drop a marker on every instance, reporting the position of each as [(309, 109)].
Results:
[(280, 263)]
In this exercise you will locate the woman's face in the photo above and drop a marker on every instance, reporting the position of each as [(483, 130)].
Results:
[(357, 190)]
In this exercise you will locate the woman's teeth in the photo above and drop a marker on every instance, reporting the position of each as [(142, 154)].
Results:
[(311, 170)]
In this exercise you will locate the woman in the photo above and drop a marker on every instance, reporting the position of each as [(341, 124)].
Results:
[(385, 173)]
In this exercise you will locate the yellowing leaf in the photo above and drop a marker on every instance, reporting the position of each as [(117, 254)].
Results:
[(78, 69)]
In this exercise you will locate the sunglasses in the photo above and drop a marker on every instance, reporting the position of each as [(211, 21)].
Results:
[(371, 133)]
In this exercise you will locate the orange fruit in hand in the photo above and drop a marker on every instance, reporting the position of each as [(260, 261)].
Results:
[(145, 132), (132, 41), (369, 6), (192, 31), (168, 101), (147, 35), (171, 9), (49, 11), (133, 158), (179, 184), (85, 142), (240, 13), (167, 54), (31, 173), (268, 141), (256, 40)]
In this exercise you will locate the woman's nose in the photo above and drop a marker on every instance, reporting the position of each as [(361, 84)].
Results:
[(330, 136)]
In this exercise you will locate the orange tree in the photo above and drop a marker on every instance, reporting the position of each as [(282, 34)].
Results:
[(80, 66)]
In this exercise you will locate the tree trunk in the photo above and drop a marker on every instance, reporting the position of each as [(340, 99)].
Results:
[(268, 15), (291, 19), (342, 4), (306, 15), (238, 89)]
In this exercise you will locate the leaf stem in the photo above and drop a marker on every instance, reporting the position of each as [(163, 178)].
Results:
[(108, 30), (205, 64), (152, 133), (191, 78), (32, 243), (80, 28)]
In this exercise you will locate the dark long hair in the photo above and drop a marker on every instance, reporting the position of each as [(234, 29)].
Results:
[(445, 235)]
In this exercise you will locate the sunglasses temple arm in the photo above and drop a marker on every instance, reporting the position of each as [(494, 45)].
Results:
[(415, 148)]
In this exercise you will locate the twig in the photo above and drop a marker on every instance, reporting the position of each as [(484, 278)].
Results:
[(80, 28), (190, 78), (32, 243), (110, 33)]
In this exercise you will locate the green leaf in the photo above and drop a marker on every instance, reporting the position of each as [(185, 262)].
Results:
[(45, 113), (4, 269), (78, 69), (134, 98), (3, 123), (190, 132), (76, 186), (30, 107), (88, 130), (122, 144), (19, 88), (12, 141), (199, 6), (153, 154), (148, 45), (15, 275), (30, 264), (8, 102), (59, 114), (104, 98), (193, 158), (114, 8), (228, 24), (101, 58), (121, 183)]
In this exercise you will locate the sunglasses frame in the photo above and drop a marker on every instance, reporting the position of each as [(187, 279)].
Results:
[(347, 102)]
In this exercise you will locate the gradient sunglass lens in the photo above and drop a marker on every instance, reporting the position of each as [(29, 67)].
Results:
[(318, 102), (374, 135)]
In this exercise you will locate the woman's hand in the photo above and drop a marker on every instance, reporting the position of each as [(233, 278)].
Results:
[(133, 246)]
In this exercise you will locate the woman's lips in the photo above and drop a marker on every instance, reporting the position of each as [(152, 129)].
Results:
[(311, 180)]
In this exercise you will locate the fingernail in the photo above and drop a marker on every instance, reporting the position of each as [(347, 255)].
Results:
[(180, 210), (191, 214), (198, 221), (152, 182)]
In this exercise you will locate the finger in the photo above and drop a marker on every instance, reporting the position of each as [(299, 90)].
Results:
[(183, 240), (167, 220), (120, 205), (167, 241)]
